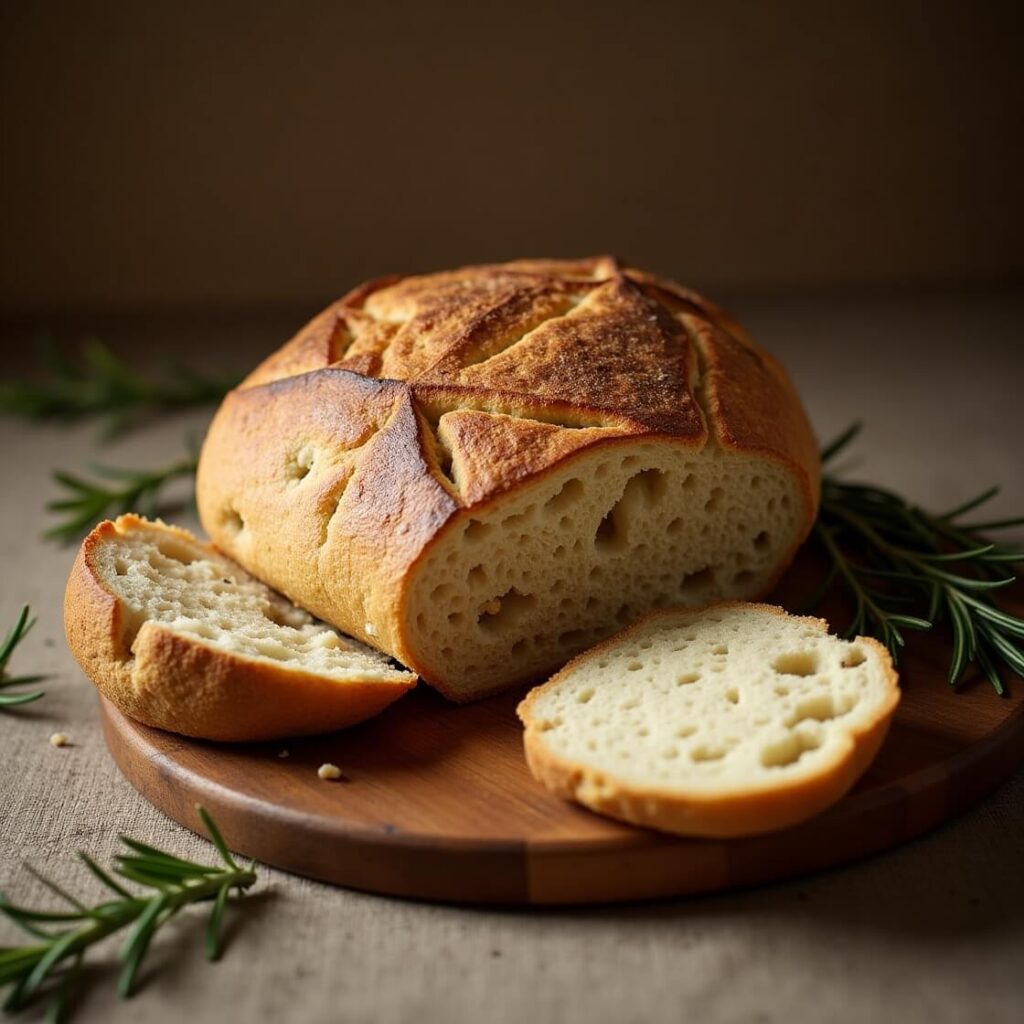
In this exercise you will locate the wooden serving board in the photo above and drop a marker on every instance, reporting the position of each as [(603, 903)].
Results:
[(437, 803)]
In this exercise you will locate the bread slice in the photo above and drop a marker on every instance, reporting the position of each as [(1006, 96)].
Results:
[(487, 471), (182, 638), (729, 721)]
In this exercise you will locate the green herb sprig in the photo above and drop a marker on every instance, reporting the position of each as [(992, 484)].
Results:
[(115, 492), (17, 633), (100, 384), (905, 568), (63, 937)]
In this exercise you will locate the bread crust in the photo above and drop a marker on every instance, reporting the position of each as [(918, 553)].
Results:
[(183, 685), (762, 808), (426, 398)]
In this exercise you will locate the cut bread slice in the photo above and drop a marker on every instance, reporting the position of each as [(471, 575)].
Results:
[(182, 638), (727, 721)]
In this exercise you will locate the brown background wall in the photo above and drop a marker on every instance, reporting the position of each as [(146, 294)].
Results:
[(232, 153)]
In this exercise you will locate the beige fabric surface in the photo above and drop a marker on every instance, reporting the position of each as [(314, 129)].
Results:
[(933, 931)]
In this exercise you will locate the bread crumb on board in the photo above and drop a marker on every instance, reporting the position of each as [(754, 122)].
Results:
[(58, 739), (283, 753), (329, 771)]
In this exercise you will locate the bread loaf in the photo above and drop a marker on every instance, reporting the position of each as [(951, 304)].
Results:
[(484, 472), (730, 721), (181, 638)]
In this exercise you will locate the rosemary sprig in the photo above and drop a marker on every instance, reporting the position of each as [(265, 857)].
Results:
[(100, 383), (64, 936), (17, 633), (905, 568), (116, 491)]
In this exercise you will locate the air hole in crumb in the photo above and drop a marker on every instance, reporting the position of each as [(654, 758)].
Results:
[(694, 582), (788, 750), (505, 610), (634, 666), (120, 567), (796, 663), (477, 576), (624, 614), (720, 649), (706, 752), (477, 531), (854, 657), (170, 548), (675, 526), (686, 678), (819, 707), (572, 637), (584, 696), (685, 731), (570, 493), (762, 541), (714, 499), (689, 482), (732, 695)]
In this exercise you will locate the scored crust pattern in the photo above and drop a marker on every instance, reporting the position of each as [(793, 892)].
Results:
[(343, 456), (568, 344)]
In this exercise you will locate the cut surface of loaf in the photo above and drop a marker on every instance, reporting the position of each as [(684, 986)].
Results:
[(182, 638), (486, 471), (728, 721)]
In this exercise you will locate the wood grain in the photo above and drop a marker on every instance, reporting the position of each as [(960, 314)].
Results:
[(436, 801)]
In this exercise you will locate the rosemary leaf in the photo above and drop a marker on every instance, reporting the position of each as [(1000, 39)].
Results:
[(15, 635), (116, 492), (928, 569), (98, 383), (174, 883)]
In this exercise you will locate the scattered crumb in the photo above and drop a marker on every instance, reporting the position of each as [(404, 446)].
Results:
[(58, 739), (329, 771), (283, 753), (370, 628)]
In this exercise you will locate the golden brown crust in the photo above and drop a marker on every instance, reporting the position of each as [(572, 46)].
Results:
[(764, 808), (183, 685), (431, 396)]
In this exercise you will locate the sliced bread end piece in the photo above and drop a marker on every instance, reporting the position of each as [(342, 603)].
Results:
[(180, 637), (732, 720)]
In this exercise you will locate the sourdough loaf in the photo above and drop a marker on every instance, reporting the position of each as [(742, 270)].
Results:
[(486, 471), (730, 721), (181, 638)]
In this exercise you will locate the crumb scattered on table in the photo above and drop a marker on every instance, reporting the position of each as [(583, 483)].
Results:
[(329, 771), (58, 739), (283, 753)]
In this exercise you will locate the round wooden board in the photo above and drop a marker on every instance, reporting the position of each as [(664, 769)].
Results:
[(437, 803)]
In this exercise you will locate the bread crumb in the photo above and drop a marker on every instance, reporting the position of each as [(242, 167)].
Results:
[(58, 739), (329, 771), (283, 753), (370, 628)]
